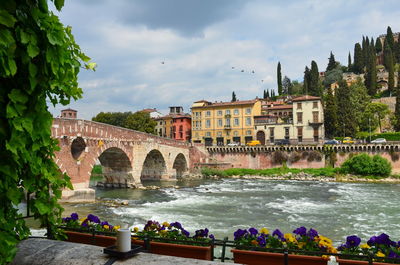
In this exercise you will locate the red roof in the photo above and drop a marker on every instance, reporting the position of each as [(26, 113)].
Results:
[(280, 107), (217, 104), (306, 98)]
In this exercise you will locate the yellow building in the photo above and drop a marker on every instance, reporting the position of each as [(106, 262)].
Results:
[(222, 123)]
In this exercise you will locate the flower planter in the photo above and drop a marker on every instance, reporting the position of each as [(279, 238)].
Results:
[(183, 251), (357, 262), (85, 238), (261, 258)]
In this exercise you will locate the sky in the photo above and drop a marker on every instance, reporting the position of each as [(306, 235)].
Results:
[(161, 53)]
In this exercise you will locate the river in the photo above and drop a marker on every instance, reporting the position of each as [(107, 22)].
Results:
[(334, 209)]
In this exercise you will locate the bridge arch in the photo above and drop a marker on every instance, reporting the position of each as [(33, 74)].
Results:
[(116, 166), (154, 166), (180, 165), (78, 145)]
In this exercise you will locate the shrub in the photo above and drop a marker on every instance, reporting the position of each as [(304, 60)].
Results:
[(363, 164), (279, 157), (206, 171)]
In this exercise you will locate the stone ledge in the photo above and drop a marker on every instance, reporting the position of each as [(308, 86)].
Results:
[(36, 251)]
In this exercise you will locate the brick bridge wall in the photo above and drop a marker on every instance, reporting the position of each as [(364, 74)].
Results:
[(94, 139), (300, 156)]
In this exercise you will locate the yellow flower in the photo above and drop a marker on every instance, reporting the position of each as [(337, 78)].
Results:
[(289, 238), (106, 227), (136, 229), (380, 254), (254, 242), (301, 245), (166, 224), (332, 249), (264, 231), (117, 227), (365, 246), (82, 220), (163, 232)]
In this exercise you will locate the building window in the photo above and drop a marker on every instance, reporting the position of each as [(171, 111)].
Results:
[(286, 132), (315, 116), (236, 112), (208, 113), (219, 122), (248, 132), (299, 117), (298, 105), (248, 111), (208, 123), (228, 122), (219, 113), (300, 134), (236, 122), (235, 133), (208, 134), (271, 135), (248, 121), (227, 112), (316, 135), (227, 133), (315, 105), (219, 134)]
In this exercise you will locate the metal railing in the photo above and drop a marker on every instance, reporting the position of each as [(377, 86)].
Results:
[(225, 243)]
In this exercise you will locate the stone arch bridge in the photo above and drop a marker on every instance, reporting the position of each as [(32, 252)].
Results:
[(127, 156)]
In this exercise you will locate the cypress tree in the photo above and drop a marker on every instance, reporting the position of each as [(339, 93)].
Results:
[(349, 66), (370, 76), (331, 63), (330, 115), (389, 38), (279, 77), (233, 97), (358, 59), (397, 106), (306, 82), (378, 45), (389, 65), (396, 52), (265, 94), (345, 112), (313, 88), (372, 43)]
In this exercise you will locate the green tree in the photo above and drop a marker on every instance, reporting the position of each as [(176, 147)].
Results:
[(112, 118), (389, 65), (306, 82), (314, 86), (141, 121), (333, 76), (331, 63), (358, 66), (330, 114), (286, 86), (349, 66), (233, 97), (265, 94), (378, 46), (370, 75), (396, 52), (39, 61), (268, 96), (297, 88), (389, 38), (279, 77)]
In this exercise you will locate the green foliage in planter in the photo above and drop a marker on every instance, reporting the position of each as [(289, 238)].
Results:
[(363, 164), (39, 62)]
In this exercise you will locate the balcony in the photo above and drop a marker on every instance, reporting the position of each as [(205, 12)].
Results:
[(315, 123), (227, 115), (227, 127)]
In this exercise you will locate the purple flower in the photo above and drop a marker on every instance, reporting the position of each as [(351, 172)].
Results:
[(383, 239), (240, 233), (211, 236), (177, 225), (93, 218), (253, 231), (372, 241), (312, 233), (301, 231), (353, 241), (186, 233), (393, 255), (74, 216), (201, 233), (104, 223), (85, 224), (278, 234), (261, 241), (66, 219)]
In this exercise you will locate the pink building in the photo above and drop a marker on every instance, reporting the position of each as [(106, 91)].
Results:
[(181, 127)]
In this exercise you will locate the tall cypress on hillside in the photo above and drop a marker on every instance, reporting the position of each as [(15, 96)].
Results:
[(370, 75), (347, 125), (279, 77), (378, 45), (396, 52), (349, 66), (313, 88), (267, 93), (331, 63), (306, 82), (358, 59), (330, 115), (389, 38), (389, 65)]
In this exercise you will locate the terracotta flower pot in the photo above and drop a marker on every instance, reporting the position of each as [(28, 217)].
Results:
[(85, 238), (357, 262), (261, 258), (184, 251)]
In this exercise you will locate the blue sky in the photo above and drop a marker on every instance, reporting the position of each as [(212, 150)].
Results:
[(200, 41)]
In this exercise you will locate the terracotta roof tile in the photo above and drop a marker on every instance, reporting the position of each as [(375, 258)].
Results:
[(305, 98), (218, 104)]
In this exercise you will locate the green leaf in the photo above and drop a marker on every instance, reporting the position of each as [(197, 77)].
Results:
[(42, 207), (14, 195), (11, 112), (33, 50), (12, 66), (6, 19), (59, 4), (24, 37), (32, 70), (6, 37), (17, 95), (91, 66)]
